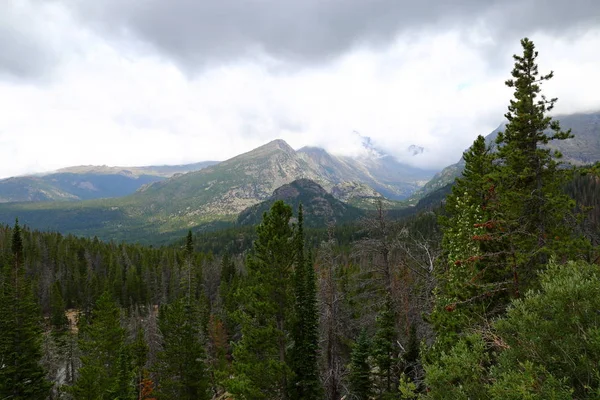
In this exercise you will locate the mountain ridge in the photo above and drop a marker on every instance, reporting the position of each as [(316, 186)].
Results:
[(86, 182)]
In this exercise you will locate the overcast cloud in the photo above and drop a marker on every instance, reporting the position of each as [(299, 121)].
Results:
[(129, 82)]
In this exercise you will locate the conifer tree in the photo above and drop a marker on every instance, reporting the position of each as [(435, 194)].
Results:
[(227, 289), (59, 320), (182, 367), (260, 364), (21, 375), (385, 350), (360, 370), (532, 213), (102, 345), (305, 383), (467, 283), (124, 383)]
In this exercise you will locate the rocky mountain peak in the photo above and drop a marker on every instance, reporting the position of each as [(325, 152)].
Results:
[(277, 144)]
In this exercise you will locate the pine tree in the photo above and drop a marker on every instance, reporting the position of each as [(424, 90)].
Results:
[(227, 289), (360, 370), (189, 244), (533, 212), (21, 375), (260, 364), (59, 320), (139, 352), (124, 383), (467, 282), (102, 343), (385, 350), (182, 367), (304, 354)]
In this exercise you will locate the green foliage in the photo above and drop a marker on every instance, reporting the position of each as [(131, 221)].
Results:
[(21, 375), (528, 381), (546, 347), (321, 207), (182, 361), (557, 329), (58, 319), (102, 345), (260, 365), (385, 350), (469, 285), (460, 373), (360, 370), (124, 384), (305, 383), (533, 215)]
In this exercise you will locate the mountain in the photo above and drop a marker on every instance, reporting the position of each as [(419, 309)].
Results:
[(88, 182), (215, 193), (380, 171), (319, 206), (582, 149)]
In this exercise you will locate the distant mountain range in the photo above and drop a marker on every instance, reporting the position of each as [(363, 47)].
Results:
[(88, 182), (221, 191), (583, 148)]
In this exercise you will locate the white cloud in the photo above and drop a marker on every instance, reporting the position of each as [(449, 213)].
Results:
[(108, 103)]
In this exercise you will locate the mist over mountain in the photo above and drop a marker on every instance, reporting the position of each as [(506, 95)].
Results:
[(582, 149)]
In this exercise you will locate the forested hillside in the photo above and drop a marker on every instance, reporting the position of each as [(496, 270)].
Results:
[(490, 292)]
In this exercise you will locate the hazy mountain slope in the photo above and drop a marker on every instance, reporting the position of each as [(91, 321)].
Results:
[(165, 171), (31, 188), (88, 182), (319, 206), (583, 149), (383, 173)]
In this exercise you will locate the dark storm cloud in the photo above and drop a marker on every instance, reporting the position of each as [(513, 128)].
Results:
[(197, 31)]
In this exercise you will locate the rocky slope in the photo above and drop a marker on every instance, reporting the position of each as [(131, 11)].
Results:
[(381, 172)]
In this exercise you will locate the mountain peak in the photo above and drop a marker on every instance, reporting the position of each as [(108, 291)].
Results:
[(278, 144)]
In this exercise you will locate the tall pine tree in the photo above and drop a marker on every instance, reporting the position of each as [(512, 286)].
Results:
[(102, 345), (533, 214), (360, 370), (21, 375), (385, 351), (304, 358), (182, 366), (260, 359)]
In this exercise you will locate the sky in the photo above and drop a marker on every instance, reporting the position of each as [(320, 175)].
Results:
[(146, 82)]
